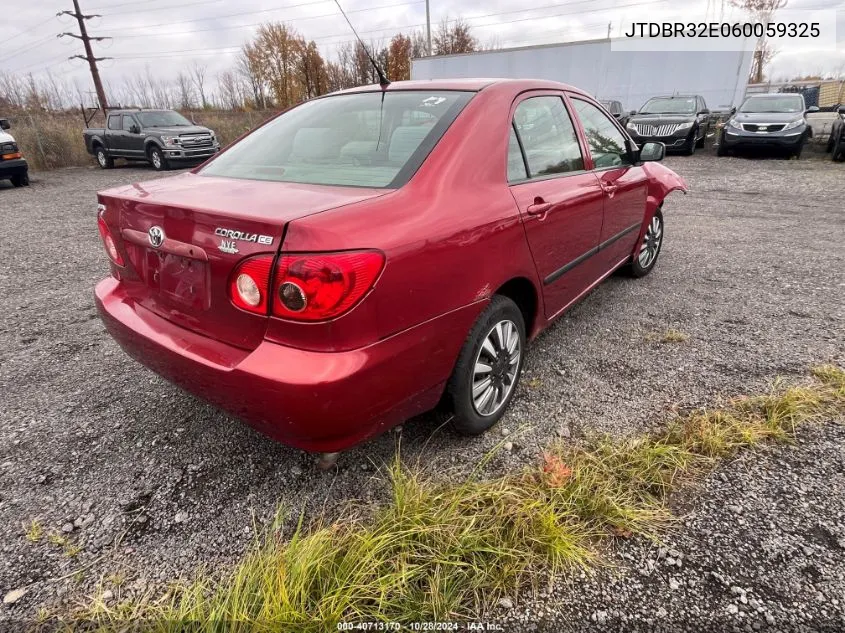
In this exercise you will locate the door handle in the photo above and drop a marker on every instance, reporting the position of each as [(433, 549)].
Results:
[(538, 208)]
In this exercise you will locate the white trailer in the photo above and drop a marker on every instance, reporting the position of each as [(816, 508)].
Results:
[(627, 76)]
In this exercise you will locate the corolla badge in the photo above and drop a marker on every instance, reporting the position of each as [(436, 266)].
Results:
[(244, 236), (156, 235)]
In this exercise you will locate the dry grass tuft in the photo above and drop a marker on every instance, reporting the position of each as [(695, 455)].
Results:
[(443, 551)]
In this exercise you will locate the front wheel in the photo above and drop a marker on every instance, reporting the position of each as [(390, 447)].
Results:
[(690, 145), (488, 368), (643, 262), (838, 150), (157, 159)]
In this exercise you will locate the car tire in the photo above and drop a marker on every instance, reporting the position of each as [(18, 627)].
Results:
[(495, 344), (796, 153), (690, 145), (646, 258), (838, 151), (830, 144), (20, 180), (721, 148), (157, 159), (103, 159)]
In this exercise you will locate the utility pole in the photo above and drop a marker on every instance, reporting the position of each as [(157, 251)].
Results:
[(428, 26), (89, 53)]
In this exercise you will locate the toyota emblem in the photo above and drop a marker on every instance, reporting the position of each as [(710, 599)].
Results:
[(156, 234)]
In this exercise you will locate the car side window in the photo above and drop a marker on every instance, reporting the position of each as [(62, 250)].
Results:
[(548, 137), (114, 121), (607, 143), (516, 164), (128, 122)]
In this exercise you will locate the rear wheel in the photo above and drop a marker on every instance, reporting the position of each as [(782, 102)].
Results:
[(20, 180), (643, 262), (488, 368), (103, 160), (157, 159)]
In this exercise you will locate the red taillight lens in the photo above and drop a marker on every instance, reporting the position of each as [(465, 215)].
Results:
[(319, 286), (108, 241), (250, 284)]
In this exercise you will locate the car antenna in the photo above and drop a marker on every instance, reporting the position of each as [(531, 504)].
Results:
[(383, 81)]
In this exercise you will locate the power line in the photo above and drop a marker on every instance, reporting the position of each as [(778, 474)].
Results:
[(293, 20), (29, 30), (89, 53), (28, 48)]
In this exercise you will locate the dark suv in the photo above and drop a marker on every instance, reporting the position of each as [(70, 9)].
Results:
[(679, 122), (159, 137), (768, 121), (836, 141)]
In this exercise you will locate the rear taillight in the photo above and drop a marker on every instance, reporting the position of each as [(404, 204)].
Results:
[(320, 286), (249, 285), (108, 240)]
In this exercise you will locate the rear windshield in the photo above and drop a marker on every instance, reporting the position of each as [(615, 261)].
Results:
[(367, 139), (786, 103)]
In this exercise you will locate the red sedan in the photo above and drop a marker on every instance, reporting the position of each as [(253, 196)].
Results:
[(375, 253)]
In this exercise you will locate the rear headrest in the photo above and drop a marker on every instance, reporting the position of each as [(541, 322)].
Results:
[(315, 142), (404, 141)]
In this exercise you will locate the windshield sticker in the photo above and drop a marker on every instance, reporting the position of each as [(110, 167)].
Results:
[(432, 101)]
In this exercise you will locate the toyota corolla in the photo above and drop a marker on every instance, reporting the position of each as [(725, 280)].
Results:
[(376, 253)]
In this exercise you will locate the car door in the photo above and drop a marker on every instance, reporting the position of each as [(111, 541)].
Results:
[(559, 200), (113, 135), (132, 142), (703, 118), (625, 185)]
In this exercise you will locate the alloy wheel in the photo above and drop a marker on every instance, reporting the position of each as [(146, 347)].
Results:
[(495, 369), (156, 159), (651, 242), (101, 158)]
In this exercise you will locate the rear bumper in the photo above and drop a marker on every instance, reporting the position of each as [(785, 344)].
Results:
[(15, 167), (316, 401)]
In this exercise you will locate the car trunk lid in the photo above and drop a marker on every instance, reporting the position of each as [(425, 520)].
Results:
[(184, 236)]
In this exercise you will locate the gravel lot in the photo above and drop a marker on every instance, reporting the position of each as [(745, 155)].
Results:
[(97, 449)]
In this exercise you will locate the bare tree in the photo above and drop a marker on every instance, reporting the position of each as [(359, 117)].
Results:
[(457, 38), (761, 11), (185, 88), (198, 73)]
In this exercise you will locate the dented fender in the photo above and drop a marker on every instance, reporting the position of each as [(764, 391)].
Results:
[(661, 182)]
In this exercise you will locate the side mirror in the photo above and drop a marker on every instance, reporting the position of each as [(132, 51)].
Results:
[(652, 152), (841, 109), (705, 111), (733, 110), (812, 109), (4, 124), (633, 112), (135, 129)]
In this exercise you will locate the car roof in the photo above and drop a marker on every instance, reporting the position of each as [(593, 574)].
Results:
[(775, 94), (136, 110), (674, 96), (470, 85)]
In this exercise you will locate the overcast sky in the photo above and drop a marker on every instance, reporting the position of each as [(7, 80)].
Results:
[(169, 35)]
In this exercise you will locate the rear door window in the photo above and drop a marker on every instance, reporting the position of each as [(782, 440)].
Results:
[(114, 122), (548, 137)]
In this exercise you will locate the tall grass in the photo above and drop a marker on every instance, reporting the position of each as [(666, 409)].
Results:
[(441, 550)]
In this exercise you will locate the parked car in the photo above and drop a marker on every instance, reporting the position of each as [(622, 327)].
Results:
[(770, 121), (616, 109), (160, 137), (680, 122), (366, 256), (13, 165), (836, 142)]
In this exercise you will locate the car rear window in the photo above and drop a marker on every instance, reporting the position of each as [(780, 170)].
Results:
[(366, 139)]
